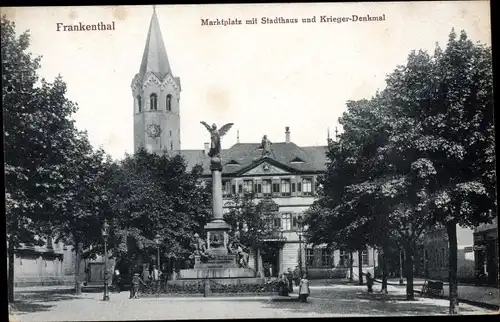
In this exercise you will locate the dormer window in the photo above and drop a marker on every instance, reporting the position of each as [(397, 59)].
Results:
[(139, 103), (153, 101), (297, 160), (169, 102), (232, 162)]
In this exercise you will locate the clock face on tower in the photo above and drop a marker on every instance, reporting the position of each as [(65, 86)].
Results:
[(153, 130)]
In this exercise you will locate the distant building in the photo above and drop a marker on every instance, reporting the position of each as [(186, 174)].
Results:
[(486, 252), (286, 172), (52, 264), (432, 257)]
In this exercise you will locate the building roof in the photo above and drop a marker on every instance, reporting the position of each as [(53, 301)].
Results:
[(243, 156), (154, 58)]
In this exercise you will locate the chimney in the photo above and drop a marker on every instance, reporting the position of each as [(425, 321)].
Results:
[(287, 134), (206, 148)]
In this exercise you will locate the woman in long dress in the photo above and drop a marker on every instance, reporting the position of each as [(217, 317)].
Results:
[(304, 289)]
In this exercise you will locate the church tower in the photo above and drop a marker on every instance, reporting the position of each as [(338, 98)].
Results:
[(156, 94)]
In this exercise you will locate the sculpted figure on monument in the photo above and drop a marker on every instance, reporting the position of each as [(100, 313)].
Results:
[(200, 248), (243, 257), (215, 136), (237, 248), (216, 240), (266, 146)]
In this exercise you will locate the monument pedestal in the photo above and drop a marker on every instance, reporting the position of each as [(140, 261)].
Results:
[(221, 266)]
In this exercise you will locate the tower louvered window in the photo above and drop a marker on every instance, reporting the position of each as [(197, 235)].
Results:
[(153, 100), (139, 103), (169, 102)]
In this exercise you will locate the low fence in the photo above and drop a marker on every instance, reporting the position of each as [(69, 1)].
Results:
[(208, 287)]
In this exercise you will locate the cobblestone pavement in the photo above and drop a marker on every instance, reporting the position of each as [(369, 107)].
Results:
[(325, 301)]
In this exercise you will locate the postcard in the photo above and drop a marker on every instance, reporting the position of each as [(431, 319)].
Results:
[(249, 160)]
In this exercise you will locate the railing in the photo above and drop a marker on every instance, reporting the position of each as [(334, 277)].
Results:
[(206, 287)]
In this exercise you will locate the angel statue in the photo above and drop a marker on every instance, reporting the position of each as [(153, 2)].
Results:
[(215, 136)]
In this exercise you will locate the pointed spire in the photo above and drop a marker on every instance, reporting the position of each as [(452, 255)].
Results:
[(336, 134), (154, 58), (328, 135)]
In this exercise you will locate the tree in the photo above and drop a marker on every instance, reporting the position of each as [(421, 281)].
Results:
[(459, 136), (38, 137), (156, 195), (433, 161), (86, 202)]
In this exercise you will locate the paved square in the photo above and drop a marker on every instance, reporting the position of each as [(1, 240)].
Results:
[(325, 301)]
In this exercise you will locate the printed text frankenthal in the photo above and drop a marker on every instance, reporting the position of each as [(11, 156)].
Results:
[(292, 20), (101, 26)]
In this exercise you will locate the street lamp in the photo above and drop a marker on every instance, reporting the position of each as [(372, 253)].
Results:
[(157, 241), (401, 267), (105, 232), (300, 232)]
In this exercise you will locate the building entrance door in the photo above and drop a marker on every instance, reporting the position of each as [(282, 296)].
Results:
[(270, 260)]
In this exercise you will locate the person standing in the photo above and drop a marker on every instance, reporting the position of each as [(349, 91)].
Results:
[(296, 275), (117, 279), (155, 277), (369, 282), (136, 281), (282, 285), (289, 277), (304, 290)]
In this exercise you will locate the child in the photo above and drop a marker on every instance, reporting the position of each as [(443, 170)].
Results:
[(136, 280), (304, 289), (369, 282)]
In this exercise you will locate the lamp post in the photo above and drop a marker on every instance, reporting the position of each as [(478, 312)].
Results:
[(401, 267), (105, 229), (157, 241), (300, 232)]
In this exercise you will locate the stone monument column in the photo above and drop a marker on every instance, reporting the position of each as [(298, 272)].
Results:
[(216, 168), (217, 229)]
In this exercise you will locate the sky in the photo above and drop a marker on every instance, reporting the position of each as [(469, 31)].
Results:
[(260, 77)]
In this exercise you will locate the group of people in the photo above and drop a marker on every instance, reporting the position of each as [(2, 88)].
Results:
[(151, 278), (287, 279)]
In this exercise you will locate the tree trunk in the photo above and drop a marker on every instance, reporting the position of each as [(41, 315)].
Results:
[(384, 271), (360, 267), (78, 286), (452, 267), (350, 267), (408, 263), (11, 259)]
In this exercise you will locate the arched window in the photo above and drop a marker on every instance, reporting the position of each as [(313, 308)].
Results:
[(171, 146), (153, 101), (139, 103), (169, 102)]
